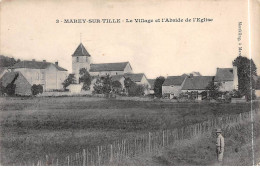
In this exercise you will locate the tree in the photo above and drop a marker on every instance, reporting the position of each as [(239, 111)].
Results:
[(6, 61), (85, 78), (136, 90), (2, 89), (36, 89), (70, 80), (158, 86), (246, 71), (128, 83), (98, 86), (107, 84), (213, 89), (10, 89), (116, 86), (103, 85)]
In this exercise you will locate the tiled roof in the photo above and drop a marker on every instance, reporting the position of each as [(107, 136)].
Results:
[(117, 77), (2, 69), (36, 65), (224, 74), (120, 66), (174, 80), (134, 77), (81, 51), (197, 82), (151, 81), (23, 87), (8, 77)]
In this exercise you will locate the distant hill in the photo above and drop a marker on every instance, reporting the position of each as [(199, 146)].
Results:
[(6, 61)]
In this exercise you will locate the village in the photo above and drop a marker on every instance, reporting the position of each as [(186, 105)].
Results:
[(43, 78)]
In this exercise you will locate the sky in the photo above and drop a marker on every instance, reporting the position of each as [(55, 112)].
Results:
[(28, 30)]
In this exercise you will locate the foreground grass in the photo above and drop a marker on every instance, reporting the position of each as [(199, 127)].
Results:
[(33, 127), (201, 151)]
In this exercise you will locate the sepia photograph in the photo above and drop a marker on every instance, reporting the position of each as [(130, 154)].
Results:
[(129, 83)]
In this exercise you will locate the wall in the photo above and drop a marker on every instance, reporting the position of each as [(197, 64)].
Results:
[(227, 86), (50, 78), (235, 83), (128, 69), (33, 76), (257, 93), (104, 73), (176, 90)]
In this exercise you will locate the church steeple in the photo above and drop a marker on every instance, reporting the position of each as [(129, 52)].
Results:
[(81, 51), (80, 59)]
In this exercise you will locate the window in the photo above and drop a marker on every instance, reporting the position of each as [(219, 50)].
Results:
[(37, 76), (43, 75), (86, 59), (77, 59), (116, 73)]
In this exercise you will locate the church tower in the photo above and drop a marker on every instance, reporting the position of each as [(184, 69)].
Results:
[(80, 59)]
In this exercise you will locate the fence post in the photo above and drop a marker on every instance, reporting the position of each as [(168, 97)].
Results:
[(57, 162), (84, 157), (98, 156), (111, 153), (68, 160), (149, 141), (163, 138)]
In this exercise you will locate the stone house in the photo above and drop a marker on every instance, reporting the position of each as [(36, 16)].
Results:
[(49, 75), (172, 86), (197, 85), (228, 78)]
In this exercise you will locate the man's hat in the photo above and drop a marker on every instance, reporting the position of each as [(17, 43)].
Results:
[(218, 131)]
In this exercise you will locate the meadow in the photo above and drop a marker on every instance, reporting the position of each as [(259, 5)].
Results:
[(33, 127)]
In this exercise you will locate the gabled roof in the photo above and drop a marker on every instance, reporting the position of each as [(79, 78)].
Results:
[(120, 66), (8, 77), (36, 65), (81, 51), (117, 77), (151, 81), (134, 77), (197, 82), (174, 80), (224, 74), (2, 69)]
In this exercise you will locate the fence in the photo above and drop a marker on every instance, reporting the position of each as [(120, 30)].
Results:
[(151, 142)]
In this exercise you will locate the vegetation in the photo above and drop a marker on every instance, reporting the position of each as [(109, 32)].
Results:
[(117, 87), (65, 125), (70, 80), (133, 89), (213, 90), (246, 70), (85, 78), (36, 89), (158, 86), (103, 85), (6, 61)]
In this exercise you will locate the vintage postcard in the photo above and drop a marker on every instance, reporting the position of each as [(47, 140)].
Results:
[(129, 82)]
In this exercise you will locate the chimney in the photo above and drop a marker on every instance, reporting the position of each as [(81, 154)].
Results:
[(57, 63), (44, 61)]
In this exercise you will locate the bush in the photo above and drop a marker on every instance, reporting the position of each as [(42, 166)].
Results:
[(36, 89), (10, 89), (136, 90)]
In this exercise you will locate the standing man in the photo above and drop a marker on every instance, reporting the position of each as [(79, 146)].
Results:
[(220, 146)]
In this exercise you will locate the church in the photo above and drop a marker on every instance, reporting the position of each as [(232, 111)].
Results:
[(118, 70)]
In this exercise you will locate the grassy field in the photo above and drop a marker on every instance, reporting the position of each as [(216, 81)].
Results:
[(33, 127)]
